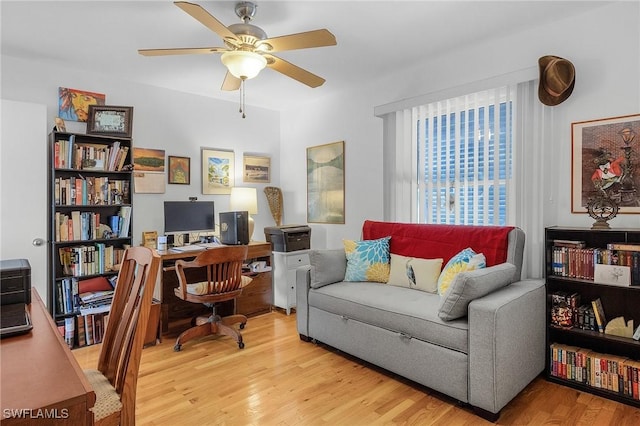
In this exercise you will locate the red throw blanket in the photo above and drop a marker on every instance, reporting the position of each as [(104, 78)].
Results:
[(434, 241)]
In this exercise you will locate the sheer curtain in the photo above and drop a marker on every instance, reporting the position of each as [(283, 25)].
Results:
[(532, 125)]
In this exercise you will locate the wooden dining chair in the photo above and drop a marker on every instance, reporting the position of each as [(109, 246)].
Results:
[(115, 380), (224, 281)]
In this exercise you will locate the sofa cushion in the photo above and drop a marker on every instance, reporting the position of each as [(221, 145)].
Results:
[(328, 266), (367, 260), (411, 272), (471, 285), (466, 260), (402, 310)]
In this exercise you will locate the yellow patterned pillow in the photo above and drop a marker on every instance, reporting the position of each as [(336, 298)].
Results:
[(466, 260), (367, 260)]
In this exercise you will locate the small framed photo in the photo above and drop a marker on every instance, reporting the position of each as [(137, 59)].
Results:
[(110, 120), (179, 170), (256, 168)]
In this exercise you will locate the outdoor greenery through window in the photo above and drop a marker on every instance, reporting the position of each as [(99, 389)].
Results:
[(465, 159)]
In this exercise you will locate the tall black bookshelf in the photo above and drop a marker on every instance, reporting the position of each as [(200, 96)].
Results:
[(584, 353), (90, 190)]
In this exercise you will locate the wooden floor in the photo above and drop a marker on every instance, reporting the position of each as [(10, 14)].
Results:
[(279, 380)]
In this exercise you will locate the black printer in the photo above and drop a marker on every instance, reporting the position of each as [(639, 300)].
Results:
[(15, 281), (288, 238)]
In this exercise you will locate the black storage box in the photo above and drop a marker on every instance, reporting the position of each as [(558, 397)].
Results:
[(288, 238), (15, 281)]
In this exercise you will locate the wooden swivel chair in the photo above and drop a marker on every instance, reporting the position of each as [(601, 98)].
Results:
[(223, 266), (115, 380)]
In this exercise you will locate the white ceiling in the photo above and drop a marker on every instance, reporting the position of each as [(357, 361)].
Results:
[(373, 37)]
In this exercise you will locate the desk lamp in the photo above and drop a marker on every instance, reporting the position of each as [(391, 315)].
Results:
[(245, 199)]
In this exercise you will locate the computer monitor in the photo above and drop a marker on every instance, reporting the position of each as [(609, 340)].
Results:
[(188, 216)]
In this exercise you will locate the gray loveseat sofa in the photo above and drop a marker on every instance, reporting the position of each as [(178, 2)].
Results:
[(484, 357)]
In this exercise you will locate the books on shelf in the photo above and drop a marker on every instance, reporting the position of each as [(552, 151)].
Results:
[(86, 260), (581, 263), (90, 191), (70, 154), (613, 373)]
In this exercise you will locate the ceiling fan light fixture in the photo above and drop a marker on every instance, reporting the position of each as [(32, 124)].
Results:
[(243, 64)]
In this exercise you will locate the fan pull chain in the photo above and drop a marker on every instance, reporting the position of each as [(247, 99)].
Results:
[(242, 99)]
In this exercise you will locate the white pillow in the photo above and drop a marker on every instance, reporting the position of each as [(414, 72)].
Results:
[(416, 273)]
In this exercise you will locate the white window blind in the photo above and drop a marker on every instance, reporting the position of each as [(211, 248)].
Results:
[(465, 158)]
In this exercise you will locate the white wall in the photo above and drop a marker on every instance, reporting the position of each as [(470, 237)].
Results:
[(162, 119), (604, 46)]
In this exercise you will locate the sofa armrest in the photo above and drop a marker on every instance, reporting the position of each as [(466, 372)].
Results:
[(506, 343), (303, 285)]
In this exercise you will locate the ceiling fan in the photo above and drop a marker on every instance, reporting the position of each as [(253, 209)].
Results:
[(247, 49)]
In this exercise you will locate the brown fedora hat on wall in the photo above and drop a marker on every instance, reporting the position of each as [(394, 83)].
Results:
[(557, 78)]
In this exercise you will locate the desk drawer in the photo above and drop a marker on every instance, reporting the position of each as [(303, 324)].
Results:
[(295, 260)]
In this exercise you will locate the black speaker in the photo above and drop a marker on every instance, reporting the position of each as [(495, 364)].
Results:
[(234, 228)]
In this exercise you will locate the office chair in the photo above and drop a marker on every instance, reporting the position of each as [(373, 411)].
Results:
[(115, 380), (224, 281)]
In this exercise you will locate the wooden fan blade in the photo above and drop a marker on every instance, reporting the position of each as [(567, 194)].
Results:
[(230, 82), (206, 19), (182, 51), (294, 71), (317, 38)]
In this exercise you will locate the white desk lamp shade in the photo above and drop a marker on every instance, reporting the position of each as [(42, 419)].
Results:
[(245, 199)]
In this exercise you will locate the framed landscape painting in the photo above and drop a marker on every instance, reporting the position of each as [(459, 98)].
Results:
[(325, 183), (217, 171), (606, 160)]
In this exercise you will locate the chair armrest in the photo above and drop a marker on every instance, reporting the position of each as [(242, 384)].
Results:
[(506, 343)]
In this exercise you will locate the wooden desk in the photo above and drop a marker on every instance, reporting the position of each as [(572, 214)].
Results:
[(41, 379), (255, 299)]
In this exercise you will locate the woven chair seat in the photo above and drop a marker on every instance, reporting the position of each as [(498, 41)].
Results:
[(107, 399)]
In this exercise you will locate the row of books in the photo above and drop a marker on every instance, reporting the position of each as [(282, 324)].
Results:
[(567, 311), (83, 330), (67, 296), (85, 226), (603, 371), (90, 191), (77, 296), (94, 259), (67, 154), (582, 262)]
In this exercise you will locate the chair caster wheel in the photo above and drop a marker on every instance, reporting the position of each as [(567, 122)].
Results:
[(242, 324), (176, 348), (241, 345)]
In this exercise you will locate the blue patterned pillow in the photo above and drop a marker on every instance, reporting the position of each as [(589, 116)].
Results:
[(367, 260), (466, 260)]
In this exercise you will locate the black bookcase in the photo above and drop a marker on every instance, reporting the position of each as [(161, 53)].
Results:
[(579, 343), (90, 185)]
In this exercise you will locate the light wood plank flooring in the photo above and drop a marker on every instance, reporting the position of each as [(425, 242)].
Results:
[(279, 380)]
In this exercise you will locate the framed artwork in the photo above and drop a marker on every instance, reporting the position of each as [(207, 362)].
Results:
[(110, 120), (179, 170), (606, 158), (148, 171), (256, 168), (73, 104), (217, 171), (325, 183)]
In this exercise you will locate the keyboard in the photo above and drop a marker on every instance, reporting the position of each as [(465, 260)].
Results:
[(192, 247)]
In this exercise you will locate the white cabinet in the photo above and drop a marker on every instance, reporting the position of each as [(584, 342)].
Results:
[(284, 277)]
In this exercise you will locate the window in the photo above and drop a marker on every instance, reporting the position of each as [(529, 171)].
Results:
[(465, 159)]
